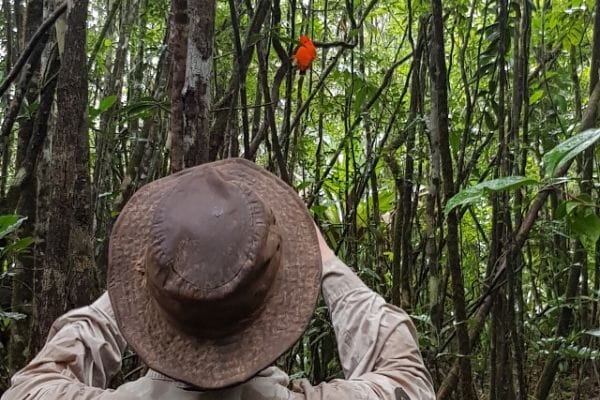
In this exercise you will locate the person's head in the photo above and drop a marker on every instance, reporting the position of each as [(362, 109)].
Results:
[(213, 272)]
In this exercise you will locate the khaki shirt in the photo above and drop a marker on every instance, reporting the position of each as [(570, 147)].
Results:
[(376, 343)]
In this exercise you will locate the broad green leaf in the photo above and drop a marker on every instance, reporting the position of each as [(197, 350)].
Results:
[(569, 149), (474, 193), (587, 226), (565, 208), (107, 103), (19, 245), (535, 96), (9, 224), (594, 332), (15, 316), (7, 220), (142, 107)]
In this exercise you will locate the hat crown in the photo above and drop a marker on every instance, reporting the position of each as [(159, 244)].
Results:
[(213, 257), (180, 320)]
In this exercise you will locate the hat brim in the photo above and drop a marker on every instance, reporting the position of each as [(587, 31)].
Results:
[(215, 363)]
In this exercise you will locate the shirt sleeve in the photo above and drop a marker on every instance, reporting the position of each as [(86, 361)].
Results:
[(82, 353), (377, 344)]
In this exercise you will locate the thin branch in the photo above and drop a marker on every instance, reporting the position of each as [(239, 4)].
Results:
[(339, 43), (102, 35), (31, 46), (241, 107), (386, 80)]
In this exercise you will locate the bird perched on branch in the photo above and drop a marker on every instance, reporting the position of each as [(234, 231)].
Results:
[(304, 55)]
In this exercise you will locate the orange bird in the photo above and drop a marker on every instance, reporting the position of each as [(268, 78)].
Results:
[(305, 54)]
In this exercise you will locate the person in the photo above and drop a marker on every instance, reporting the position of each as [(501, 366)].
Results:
[(214, 272)]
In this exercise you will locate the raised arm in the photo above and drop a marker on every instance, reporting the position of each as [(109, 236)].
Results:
[(82, 353), (377, 342)]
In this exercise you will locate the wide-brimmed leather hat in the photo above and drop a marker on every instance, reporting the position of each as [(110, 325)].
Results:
[(214, 272)]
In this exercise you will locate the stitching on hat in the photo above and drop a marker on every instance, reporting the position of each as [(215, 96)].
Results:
[(254, 212), (156, 226), (254, 208)]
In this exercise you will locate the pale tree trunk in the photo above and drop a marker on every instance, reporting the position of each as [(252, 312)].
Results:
[(196, 89), (178, 50), (8, 35), (67, 277)]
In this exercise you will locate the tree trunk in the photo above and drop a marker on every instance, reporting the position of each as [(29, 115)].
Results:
[(29, 73), (196, 89), (68, 242), (178, 50), (439, 123), (21, 194), (23, 282)]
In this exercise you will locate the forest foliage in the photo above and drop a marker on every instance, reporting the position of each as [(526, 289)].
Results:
[(446, 149)]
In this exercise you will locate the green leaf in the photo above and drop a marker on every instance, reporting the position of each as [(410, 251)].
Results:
[(15, 316), (454, 139), (107, 103), (593, 332), (474, 193), (302, 185), (569, 149), (566, 208), (9, 224), (389, 255), (93, 113), (587, 226), (319, 210), (142, 107), (19, 245), (535, 96)]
